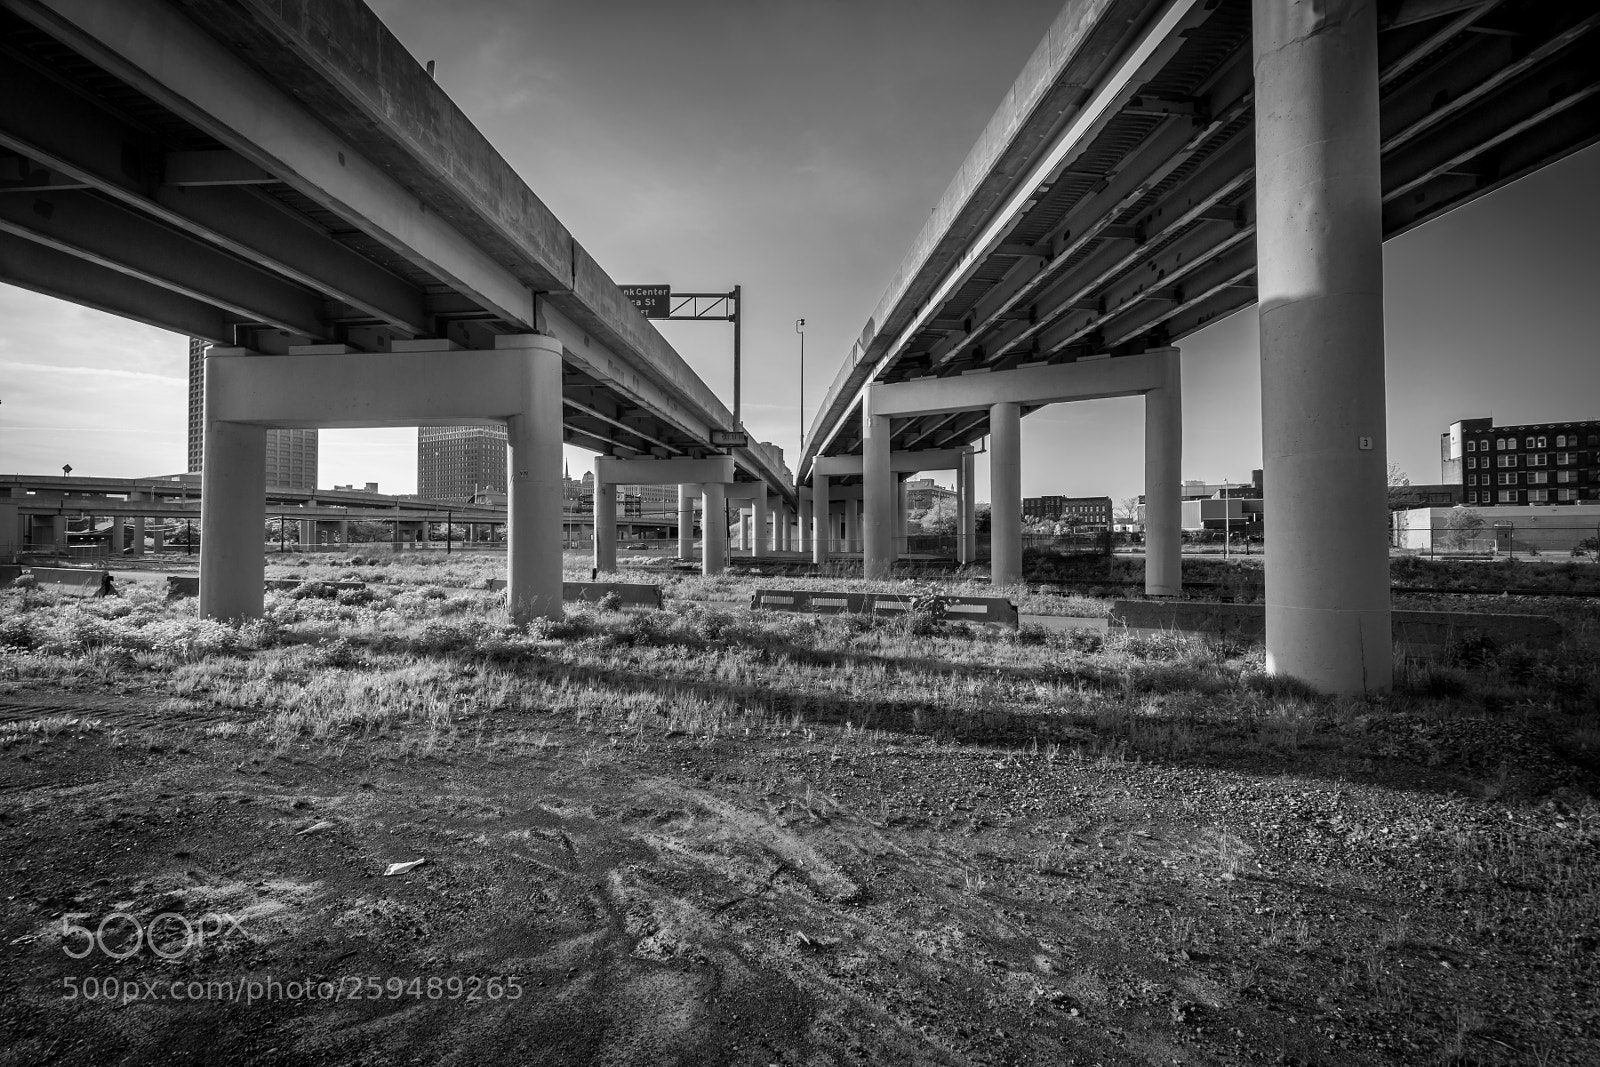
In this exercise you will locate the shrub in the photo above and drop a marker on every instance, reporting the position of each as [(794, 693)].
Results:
[(612, 601), (340, 652), (1472, 649), (16, 631), (25, 581), (189, 638), (1084, 639)]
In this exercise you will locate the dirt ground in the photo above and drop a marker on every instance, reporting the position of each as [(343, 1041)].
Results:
[(809, 896)]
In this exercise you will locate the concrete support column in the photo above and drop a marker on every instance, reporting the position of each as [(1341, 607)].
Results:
[(902, 516), (424, 535), (687, 492), (1005, 494), (878, 499), (58, 531), (605, 525), (158, 536), (138, 529), (1163, 484), (967, 509), (852, 524), (1320, 256), (344, 531), (116, 535), (534, 483), (233, 512), (308, 532), (822, 530), (761, 545), (713, 528), (803, 525)]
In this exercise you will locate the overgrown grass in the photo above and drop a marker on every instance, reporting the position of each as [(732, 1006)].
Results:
[(420, 661)]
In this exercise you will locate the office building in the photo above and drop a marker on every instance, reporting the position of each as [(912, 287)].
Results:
[(291, 454), (458, 462), (1088, 511), (1527, 464), (924, 493)]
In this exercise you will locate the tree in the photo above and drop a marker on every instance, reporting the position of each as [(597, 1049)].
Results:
[(940, 518), (1462, 525), (1397, 477), (1128, 510)]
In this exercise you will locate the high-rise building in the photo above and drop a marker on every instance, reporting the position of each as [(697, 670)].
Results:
[(1534, 463), (455, 462), (291, 454)]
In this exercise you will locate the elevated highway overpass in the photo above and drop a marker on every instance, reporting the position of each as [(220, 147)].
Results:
[(1157, 165), (284, 180)]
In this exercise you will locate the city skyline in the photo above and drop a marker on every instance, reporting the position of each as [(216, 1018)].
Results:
[(807, 190)]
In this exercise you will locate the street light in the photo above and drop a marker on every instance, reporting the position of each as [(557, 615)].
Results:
[(800, 328)]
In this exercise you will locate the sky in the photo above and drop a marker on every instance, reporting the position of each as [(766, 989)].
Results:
[(795, 148)]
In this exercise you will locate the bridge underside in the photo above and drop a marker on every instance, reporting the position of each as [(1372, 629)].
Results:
[(1144, 231), (287, 176), (1159, 165)]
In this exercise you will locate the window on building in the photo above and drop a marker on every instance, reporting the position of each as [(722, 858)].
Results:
[(1565, 477), (1594, 439), (1538, 496), (1539, 459), (1471, 445), (1472, 498), (1472, 479), (1538, 477), (1507, 461), (1507, 496), (1472, 462), (1499, 442), (1565, 458), (1566, 494), (1561, 440), (1541, 442)]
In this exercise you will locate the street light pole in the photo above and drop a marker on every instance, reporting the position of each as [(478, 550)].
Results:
[(800, 328)]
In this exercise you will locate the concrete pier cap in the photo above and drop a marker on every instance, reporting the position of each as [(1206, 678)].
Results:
[(518, 381)]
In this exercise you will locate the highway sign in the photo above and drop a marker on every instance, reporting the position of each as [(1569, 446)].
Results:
[(730, 439), (651, 300)]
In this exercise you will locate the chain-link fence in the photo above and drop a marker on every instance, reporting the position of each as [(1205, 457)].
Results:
[(1475, 536)]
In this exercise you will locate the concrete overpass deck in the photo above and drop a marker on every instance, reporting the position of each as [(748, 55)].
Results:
[(286, 178), (1109, 206)]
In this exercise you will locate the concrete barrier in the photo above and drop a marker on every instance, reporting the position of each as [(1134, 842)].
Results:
[(632, 595), (1249, 621), (296, 583), (181, 585), (990, 609), (70, 581)]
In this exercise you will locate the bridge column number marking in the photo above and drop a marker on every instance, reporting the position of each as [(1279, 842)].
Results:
[(1319, 250)]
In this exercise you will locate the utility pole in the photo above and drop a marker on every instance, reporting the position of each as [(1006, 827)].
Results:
[(800, 328), (738, 312)]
